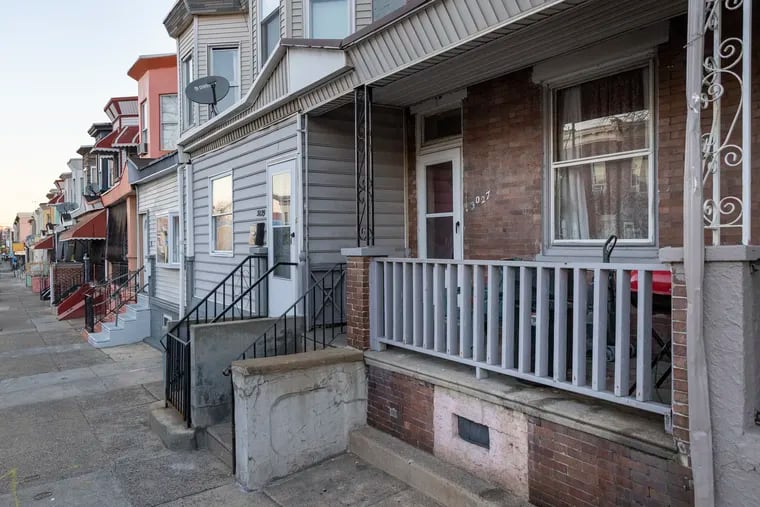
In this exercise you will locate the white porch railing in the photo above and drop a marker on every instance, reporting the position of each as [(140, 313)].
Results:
[(536, 321)]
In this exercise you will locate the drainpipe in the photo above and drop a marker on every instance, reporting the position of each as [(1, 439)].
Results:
[(303, 162), (189, 252), (700, 426), (181, 201)]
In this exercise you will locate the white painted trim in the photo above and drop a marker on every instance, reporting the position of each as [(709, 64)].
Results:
[(453, 155), (210, 199), (261, 62), (238, 46)]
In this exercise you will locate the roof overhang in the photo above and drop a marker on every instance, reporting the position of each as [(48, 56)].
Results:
[(144, 63), (181, 15), (46, 243)]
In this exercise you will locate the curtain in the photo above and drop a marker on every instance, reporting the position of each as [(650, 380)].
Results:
[(573, 207)]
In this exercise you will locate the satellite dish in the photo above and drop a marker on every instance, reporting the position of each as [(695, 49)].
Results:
[(208, 90)]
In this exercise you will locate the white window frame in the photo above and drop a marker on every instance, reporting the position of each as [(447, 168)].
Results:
[(307, 21), (444, 103), (260, 56), (650, 153), (188, 107), (144, 123), (161, 121), (236, 86), (211, 228)]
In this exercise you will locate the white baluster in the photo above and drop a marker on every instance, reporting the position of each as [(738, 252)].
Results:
[(599, 346), (418, 302), (579, 327), (492, 323), (465, 319), (526, 289), (508, 320), (644, 338), (408, 303), (452, 311), (439, 319), (560, 325), (388, 306), (542, 322), (478, 309), (622, 333), (427, 319), (398, 301)]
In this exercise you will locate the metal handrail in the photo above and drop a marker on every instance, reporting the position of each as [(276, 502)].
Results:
[(302, 300), (105, 293)]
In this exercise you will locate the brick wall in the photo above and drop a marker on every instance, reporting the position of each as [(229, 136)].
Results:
[(569, 467), (680, 402), (401, 406), (357, 302), (66, 275)]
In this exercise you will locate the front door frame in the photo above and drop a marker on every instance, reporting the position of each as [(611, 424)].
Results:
[(454, 155), (283, 292)]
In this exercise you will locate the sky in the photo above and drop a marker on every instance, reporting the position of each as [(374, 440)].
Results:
[(60, 62)]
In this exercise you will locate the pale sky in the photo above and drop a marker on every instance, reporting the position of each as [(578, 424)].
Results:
[(60, 62)]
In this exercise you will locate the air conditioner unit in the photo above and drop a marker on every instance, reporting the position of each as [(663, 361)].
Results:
[(143, 148)]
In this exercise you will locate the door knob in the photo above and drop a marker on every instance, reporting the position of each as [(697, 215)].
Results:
[(456, 226)]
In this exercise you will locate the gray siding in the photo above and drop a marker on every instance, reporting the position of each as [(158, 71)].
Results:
[(363, 13), (332, 194), (247, 160), (160, 197), (296, 18), (184, 48), (224, 31)]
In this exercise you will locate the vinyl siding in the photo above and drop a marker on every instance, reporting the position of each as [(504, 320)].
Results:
[(221, 31), (363, 13), (184, 48), (247, 160), (332, 182), (155, 198), (296, 18)]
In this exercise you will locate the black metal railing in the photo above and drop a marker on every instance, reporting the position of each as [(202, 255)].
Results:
[(315, 320), (66, 287), (101, 301), (242, 294), (44, 288)]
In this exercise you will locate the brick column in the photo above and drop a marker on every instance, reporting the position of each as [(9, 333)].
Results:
[(680, 386), (357, 301), (358, 314)]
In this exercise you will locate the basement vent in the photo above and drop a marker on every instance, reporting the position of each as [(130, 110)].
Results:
[(474, 433)]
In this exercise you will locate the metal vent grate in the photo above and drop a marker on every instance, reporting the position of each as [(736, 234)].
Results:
[(474, 433)]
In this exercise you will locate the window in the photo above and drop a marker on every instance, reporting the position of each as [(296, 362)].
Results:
[(144, 122), (329, 19), (382, 8), (442, 125), (221, 214), (167, 239), (169, 125), (270, 28), (602, 172), (105, 173), (225, 62), (187, 77)]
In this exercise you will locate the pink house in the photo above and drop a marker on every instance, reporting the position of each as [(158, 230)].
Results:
[(156, 77)]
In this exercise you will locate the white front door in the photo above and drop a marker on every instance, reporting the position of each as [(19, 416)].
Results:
[(439, 205), (281, 191)]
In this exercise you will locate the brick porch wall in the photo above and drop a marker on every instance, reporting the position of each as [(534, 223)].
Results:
[(357, 302), (66, 275)]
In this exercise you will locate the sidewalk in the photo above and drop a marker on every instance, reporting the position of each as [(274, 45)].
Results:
[(74, 429)]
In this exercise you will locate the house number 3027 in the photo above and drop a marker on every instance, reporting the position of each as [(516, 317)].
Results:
[(479, 200)]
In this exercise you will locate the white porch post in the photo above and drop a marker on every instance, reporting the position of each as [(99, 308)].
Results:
[(700, 427)]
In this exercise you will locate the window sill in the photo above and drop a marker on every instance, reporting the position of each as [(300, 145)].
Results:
[(173, 266), (222, 254), (593, 253)]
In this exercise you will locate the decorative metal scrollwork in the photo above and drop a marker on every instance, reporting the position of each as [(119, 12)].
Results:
[(365, 192)]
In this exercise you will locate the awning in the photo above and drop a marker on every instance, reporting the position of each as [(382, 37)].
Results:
[(128, 136), (44, 244), (89, 226), (106, 143)]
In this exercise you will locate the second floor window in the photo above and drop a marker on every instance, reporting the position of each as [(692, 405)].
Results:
[(169, 126), (270, 28), (329, 19), (144, 122), (225, 62), (187, 78), (382, 8)]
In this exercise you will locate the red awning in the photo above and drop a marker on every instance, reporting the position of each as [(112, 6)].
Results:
[(106, 143), (44, 244), (90, 226), (128, 136)]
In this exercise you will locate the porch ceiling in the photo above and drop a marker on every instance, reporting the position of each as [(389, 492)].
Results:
[(566, 27)]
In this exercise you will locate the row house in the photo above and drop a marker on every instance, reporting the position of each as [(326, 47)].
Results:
[(506, 183)]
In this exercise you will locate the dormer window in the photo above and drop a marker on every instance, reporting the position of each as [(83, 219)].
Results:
[(225, 62), (329, 19), (144, 124), (269, 28)]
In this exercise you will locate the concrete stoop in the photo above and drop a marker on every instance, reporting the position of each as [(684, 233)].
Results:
[(218, 440), (133, 326), (427, 474), (167, 423)]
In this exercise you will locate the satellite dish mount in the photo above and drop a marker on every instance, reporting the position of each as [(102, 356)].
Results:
[(208, 90)]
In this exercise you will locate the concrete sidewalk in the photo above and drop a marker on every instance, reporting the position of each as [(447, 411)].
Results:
[(74, 429)]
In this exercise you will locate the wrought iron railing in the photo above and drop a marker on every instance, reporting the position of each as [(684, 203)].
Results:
[(242, 294), (101, 301), (44, 288), (315, 320), (64, 288)]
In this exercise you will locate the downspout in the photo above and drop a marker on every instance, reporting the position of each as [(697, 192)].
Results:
[(181, 200), (303, 147), (189, 222), (700, 425)]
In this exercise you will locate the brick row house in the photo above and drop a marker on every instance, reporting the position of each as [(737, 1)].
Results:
[(502, 184)]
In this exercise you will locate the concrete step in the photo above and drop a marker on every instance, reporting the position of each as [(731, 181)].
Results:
[(427, 474), (219, 442), (167, 423), (132, 326), (143, 299)]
